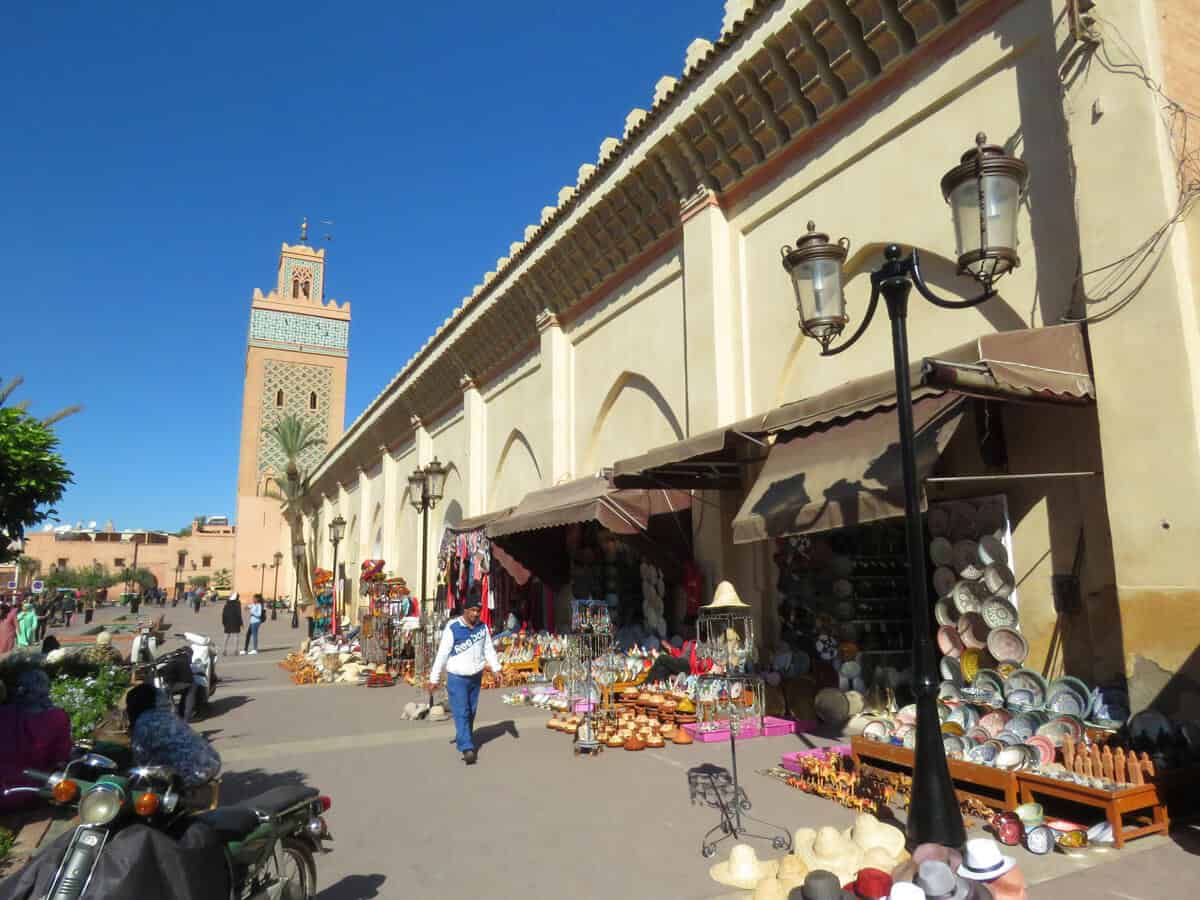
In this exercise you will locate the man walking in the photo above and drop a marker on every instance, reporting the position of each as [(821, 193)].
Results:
[(256, 618), (465, 648), (231, 621), (68, 608)]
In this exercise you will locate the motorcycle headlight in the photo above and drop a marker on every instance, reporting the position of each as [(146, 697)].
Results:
[(101, 804)]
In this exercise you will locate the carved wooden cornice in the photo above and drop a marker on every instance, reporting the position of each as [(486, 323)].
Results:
[(806, 60)]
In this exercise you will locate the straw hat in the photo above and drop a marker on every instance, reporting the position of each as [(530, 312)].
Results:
[(830, 850), (792, 871), (868, 833), (743, 869), (726, 597), (770, 889)]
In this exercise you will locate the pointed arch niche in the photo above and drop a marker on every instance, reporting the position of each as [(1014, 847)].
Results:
[(633, 418), (517, 472)]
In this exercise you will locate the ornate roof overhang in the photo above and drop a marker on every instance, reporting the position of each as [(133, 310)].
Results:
[(782, 71)]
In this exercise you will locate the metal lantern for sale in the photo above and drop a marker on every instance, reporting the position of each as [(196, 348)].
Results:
[(725, 629)]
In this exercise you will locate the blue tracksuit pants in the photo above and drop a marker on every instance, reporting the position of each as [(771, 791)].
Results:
[(464, 701)]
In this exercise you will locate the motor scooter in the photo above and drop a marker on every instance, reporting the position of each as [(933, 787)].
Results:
[(269, 843)]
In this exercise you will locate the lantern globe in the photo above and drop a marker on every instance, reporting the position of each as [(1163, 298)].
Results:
[(337, 530), (416, 489), (984, 192), (815, 268), (436, 474)]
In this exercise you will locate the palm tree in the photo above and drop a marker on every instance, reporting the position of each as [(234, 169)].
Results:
[(294, 436), (27, 568), (15, 382)]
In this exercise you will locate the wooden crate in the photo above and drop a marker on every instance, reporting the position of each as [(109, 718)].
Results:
[(1115, 804)]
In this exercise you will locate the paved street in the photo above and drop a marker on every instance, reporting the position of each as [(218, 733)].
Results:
[(410, 820)]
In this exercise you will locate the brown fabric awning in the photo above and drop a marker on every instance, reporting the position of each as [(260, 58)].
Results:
[(1031, 365), (712, 460), (592, 499), (476, 522), (842, 474)]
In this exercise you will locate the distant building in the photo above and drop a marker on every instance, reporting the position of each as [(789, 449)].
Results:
[(171, 559), (295, 363)]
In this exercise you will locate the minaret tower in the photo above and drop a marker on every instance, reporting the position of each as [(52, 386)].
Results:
[(296, 357)]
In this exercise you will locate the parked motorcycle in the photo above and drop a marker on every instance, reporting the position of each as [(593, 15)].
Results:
[(188, 674), (269, 843)]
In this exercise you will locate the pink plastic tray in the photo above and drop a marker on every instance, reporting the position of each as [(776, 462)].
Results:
[(772, 727), (790, 761)]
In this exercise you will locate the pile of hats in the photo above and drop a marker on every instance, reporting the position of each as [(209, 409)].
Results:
[(821, 869)]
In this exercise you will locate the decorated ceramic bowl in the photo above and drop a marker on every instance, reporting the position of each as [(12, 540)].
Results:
[(994, 722), (944, 580), (945, 612), (992, 551), (973, 630), (982, 754), (998, 613), (949, 642), (951, 670), (1045, 748), (1006, 643), (1027, 679), (1011, 758), (998, 578), (1009, 738), (966, 560), (967, 597), (941, 551), (969, 663)]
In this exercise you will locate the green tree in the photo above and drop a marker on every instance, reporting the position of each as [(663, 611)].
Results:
[(33, 476), (222, 579), (139, 577), (294, 436), (200, 581), (84, 578)]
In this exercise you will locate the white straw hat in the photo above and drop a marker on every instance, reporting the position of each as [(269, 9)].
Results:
[(743, 869), (726, 596), (983, 860)]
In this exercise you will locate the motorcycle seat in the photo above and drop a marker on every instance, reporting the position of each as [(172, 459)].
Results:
[(277, 799), (231, 823)]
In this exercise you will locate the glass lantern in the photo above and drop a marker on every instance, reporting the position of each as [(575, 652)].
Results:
[(815, 267), (984, 192)]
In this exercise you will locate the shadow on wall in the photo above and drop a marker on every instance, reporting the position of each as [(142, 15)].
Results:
[(637, 383)]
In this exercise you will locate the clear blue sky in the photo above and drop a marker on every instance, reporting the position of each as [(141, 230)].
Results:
[(155, 155)]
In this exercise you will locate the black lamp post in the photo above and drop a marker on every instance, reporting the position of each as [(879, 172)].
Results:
[(298, 554), (425, 490), (337, 530), (278, 557), (984, 192)]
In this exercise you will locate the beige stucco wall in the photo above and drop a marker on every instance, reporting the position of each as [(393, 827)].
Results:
[(705, 332)]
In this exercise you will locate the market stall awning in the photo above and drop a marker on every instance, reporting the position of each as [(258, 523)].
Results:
[(712, 460), (844, 473), (592, 499), (476, 522), (836, 460)]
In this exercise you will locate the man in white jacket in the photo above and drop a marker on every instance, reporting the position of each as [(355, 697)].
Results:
[(465, 648)]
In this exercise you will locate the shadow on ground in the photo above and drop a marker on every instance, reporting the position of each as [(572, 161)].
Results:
[(353, 887), (225, 704), (239, 786), (489, 733)]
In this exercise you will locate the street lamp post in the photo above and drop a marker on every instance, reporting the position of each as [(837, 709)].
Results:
[(275, 599), (337, 530), (262, 576), (984, 192), (425, 490), (298, 553)]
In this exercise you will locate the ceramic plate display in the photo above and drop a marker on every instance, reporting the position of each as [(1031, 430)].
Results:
[(951, 670), (877, 730), (907, 715), (945, 613), (987, 680), (944, 580), (999, 579), (978, 735), (990, 518), (937, 520), (966, 597), (966, 560), (1011, 758), (1007, 644), (1026, 679), (1065, 701), (955, 745), (982, 754), (1044, 747), (994, 722), (973, 630), (948, 641), (992, 550), (1077, 684), (1019, 698), (1056, 732), (1023, 726), (1009, 738), (969, 663), (953, 728), (998, 613), (949, 692), (941, 551)]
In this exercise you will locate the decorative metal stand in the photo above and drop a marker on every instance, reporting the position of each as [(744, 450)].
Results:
[(593, 638), (729, 797)]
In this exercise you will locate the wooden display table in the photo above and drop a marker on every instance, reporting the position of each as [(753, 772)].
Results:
[(996, 788), (1128, 799)]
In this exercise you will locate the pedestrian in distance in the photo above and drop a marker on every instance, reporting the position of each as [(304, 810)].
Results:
[(196, 600), (231, 621), (42, 608), (27, 626), (465, 648), (8, 627), (135, 601), (256, 619), (68, 608)]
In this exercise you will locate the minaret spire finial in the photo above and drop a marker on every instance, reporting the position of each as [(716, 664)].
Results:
[(304, 230)]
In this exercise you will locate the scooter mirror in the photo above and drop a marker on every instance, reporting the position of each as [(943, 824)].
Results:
[(97, 761)]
